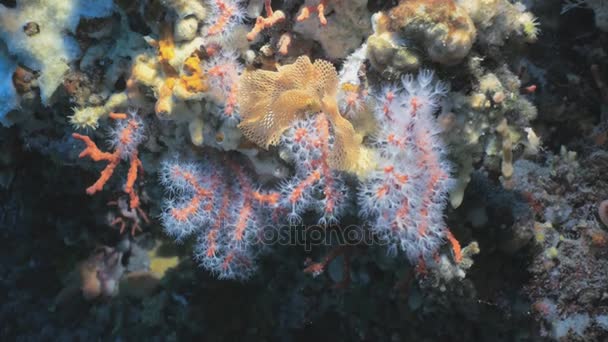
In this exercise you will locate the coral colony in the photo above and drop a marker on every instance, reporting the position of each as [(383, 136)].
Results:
[(370, 149), (211, 125), (300, 107)]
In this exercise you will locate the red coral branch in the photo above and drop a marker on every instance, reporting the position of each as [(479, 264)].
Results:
[(262, 23), (126, 138), (319, 9)]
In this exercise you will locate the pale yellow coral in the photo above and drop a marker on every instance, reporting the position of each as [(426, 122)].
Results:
[(88, 117), (444, 27)]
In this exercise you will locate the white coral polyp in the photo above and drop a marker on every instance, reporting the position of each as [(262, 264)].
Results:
[(405, 196)]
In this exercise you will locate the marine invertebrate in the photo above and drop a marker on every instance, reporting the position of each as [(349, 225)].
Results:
[(405, 196), (124, 138), (529, 25), (319, 8), (270, 101), (340, 33), (261, 23), (315, 187), (477, 127), (227, 14), (169, 83), (88, 117), (125, 214), (442, 26), (352, 90), (385, 50), (223, 71), (316, 268), (48, 51), (227, 213), (445, 30), (498, 20)]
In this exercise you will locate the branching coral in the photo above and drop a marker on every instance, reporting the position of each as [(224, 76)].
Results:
[(310, 113), (271, 101), (223, 71), (319, 9), (125, 139), (227, 215), (261, 23), (134, 216), (315, 186), (406, 194), (227, 14)]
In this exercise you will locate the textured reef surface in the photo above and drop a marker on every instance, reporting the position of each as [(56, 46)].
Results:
[(350, 170)]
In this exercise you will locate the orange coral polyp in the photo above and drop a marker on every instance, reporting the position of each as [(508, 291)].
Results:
[(182, 214), (241, 224), (310, 180)]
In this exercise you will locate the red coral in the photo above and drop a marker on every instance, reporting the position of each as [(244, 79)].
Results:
[(262, 23), (125, 138), (319, 9)]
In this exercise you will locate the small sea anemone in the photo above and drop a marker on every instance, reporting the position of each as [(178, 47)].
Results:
[(530, 27)]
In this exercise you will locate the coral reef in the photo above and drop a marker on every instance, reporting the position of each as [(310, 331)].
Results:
[(443, 27), (303, 169), (445, 30)]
